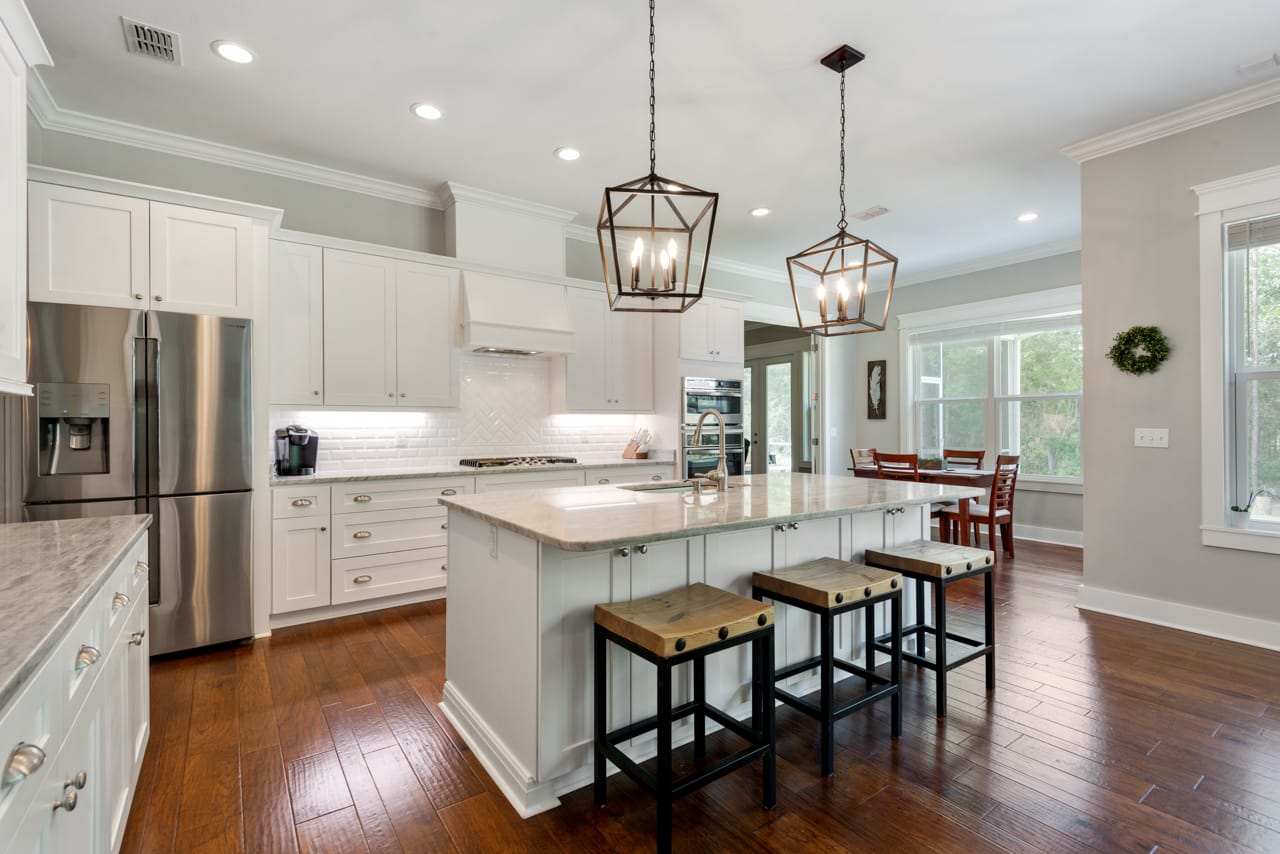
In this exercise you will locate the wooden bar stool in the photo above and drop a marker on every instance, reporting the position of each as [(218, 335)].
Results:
[(942, 564), (686, 624), (829, 587)]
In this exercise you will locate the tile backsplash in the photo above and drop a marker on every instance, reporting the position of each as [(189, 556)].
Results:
[(504, 408)]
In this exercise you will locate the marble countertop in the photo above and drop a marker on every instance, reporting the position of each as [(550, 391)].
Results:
[(590, 518), (49, 572), (454, 471)]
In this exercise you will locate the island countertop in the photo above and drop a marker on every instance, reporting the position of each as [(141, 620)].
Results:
[(590, 518), (49, 572)]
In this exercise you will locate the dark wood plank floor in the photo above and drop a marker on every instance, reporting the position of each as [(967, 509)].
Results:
[(1103, 734)]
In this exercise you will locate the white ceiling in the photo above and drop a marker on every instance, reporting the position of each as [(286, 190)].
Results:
[(957, 116)]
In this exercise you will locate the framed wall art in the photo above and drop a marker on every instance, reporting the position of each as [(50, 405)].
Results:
[(877, 390)]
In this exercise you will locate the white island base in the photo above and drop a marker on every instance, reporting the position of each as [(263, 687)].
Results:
[(519, 632)]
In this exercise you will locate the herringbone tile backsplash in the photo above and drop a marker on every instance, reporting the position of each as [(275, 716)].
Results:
[(505, 408)]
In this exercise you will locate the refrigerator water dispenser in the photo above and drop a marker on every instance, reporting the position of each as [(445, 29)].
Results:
[(74, 426)]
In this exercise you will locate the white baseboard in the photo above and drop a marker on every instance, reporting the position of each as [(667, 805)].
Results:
[(1035, 533), (1175, 615), (314, 615)]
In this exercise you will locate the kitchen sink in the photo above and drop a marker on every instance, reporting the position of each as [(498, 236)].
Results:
[(668, 486)]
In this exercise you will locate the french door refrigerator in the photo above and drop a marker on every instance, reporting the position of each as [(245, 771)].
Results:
[(150, 412)]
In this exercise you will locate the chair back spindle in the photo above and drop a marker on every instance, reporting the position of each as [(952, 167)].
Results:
[(953, 459), (898, 466)]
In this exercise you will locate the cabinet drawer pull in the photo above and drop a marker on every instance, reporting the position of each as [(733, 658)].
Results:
[(80, 780), (119, 600), (25, 760), (136, 638), (361, 535), (655, 477), (68, 801), (323, 528), (302, 502), (449, 491), (137, 296), (140, 568), (158, 298), (603, 480), (362, 499), (88, 655), (362, 579)]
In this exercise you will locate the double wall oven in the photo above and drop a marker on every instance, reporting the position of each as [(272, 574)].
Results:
[(724, 396)]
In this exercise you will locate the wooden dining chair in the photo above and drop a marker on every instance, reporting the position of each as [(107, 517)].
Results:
[(996, 513), (962, 459), (863, 458), (898, 466)]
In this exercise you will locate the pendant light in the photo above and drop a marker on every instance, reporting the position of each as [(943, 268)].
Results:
[(843, 269), (651, 231)]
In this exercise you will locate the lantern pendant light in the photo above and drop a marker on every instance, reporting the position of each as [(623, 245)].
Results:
[(843, 269), (652, 231)]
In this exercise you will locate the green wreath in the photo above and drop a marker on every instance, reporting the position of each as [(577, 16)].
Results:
[(1155, 349)]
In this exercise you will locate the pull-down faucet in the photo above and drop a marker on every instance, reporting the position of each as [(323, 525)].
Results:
[(719, 475)]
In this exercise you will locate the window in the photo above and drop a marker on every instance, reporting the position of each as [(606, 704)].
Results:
[(1005, 376)]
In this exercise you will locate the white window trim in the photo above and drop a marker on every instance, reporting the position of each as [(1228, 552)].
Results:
[(1046, 303), (1228, 200)]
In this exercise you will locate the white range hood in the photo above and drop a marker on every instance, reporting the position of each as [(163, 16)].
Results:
[(510, 314)]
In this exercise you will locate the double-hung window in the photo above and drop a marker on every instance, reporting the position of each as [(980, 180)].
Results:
[(1004, 376)]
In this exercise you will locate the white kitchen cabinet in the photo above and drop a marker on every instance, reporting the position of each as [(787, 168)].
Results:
[(92, 248), (604, 476), (296, 306), (611, 368), (711, 331), (426, 329), (300, 552)]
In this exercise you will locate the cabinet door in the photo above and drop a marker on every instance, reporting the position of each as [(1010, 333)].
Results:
[(797, 631), (726, 331), (299, 564), (630, 361), (586, 368), (137, 647), (113, 786), (75, 830), (695, 331), (359, 329), (426, 329), (201, 261), (87, 248), (13, 218), (296, 308)]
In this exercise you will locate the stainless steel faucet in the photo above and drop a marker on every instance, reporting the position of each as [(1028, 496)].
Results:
[(719, 475)]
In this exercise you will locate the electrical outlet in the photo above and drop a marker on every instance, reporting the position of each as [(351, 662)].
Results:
[(1151, 437)]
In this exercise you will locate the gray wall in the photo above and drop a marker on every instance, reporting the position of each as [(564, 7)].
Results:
[(307, 207), (846, 372), (1140, 265)]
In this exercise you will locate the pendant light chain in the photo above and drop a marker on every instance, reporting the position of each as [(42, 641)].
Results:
[(843, 222), (653, 150)]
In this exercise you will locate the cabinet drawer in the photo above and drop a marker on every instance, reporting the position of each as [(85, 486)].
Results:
[(627, 474), (116, 601), (32, 718), (292, 502), (358, 578), (384, 531), (78, 660), (396, 494)]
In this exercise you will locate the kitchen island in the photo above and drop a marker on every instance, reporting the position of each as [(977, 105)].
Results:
[(528, 567)]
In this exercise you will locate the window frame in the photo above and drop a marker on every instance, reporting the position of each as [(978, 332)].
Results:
[(1064, 301)]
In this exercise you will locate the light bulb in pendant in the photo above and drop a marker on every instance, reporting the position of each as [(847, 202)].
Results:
[(822, 302), (671, 248)]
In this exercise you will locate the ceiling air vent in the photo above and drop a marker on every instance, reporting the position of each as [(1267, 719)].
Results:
[(154, 42), (871, 213)]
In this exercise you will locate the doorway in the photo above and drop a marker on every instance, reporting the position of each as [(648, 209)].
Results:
[(778, 399)]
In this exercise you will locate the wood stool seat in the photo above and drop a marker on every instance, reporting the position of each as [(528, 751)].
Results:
[(829, 587), (942, 564), (683, 619)]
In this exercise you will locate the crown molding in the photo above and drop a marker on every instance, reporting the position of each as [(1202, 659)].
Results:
[(587, 234), (52, 117), (16, 19), (452, 192), (1194, 116), (990, 262), (1238, 191)]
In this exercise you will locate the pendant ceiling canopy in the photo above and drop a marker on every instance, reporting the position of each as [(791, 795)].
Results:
[(653, 230), (844, 277)]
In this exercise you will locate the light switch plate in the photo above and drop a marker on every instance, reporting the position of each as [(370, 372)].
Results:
[(1151, 437)]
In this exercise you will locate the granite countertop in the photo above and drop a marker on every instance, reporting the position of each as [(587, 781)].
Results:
[(454, 471), (49, 573), (590, 518)]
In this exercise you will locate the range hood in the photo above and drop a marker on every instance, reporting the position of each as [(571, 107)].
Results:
[(514, 316)]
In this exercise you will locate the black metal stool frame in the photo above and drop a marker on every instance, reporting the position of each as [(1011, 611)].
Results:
[(761, 733), (941, 665), (878, 687)]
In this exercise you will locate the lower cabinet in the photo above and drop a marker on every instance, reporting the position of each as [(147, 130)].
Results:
[(627, 474), (299, 564)]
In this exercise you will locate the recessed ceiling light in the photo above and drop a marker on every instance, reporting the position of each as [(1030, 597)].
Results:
[(232, 52), (759, 211), (430, 112), (568, 153), (1029, 216)]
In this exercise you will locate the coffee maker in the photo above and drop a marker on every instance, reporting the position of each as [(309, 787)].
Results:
[(296, 449)]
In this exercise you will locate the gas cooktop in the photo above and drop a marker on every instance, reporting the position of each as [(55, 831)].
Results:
[(502, 462)]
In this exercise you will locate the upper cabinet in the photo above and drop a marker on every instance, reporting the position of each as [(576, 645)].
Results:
[(296, 308), (390, 328), (92, 248), (611, 367), (711, 331), (20, 47)]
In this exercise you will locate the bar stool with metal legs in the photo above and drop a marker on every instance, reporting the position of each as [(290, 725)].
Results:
[(686, 625), (942, 564), (829, 587)]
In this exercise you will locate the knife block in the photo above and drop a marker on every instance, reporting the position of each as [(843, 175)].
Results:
[(631, 452)]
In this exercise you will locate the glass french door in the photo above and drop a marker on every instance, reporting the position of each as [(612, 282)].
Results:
[(776, 419)]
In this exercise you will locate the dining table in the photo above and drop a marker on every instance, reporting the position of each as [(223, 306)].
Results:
[(981, 478)]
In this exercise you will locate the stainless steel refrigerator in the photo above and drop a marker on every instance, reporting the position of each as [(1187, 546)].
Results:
[(150, 412)]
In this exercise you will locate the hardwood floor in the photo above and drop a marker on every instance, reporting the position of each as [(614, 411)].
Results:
[(1102, 734)]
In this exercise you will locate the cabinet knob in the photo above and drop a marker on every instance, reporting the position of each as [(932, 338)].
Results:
[(323, 528), (655, 477), (68, 801), (158, 298), (302, 502), (793, 526), (361, 535), (24, 760), (779, 528), (624, 552), (136, 638), (316, 393), (603, 480), (137, 296), (444, 567), (119, 600), (362, 579), (362, 499), (444, 526), (402, 394), (79, 780), (391, 394), (644, 550), (88, 655)]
